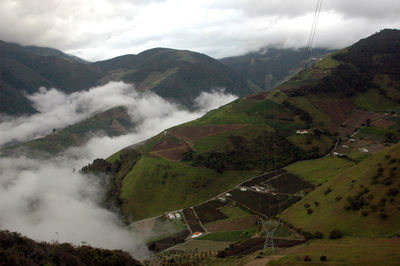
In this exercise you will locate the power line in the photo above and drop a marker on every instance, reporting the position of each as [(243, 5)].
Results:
[(312, 32)]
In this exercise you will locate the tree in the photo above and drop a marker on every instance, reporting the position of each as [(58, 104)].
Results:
[(335, 234)]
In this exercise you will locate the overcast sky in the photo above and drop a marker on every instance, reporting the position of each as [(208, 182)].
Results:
[(102, 29)]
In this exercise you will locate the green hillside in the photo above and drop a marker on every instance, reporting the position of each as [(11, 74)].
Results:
[(184, 165), (188, 164), (361, 201)]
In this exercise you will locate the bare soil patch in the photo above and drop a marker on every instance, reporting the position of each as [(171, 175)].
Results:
[(241, 223), (263, 203), (118, 127), (192, 220), (166, 144), (359, 117), (288, 183), (170, 149), (175, 154), (195, 133), (209, 211), (258, 96), (371, 146), (338, 110), (145, 226), (383, 123), (168, 242)]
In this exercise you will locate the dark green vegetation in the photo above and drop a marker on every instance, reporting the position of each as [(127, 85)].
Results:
[(115, 171), (19, 250), (270, 66), (173, 74), (113, 122)]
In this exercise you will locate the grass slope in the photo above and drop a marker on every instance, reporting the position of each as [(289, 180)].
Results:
[(361, 201), (156, 185), (347, 251), (321, 170)]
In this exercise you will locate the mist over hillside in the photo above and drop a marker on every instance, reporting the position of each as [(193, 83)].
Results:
[(48, 199)]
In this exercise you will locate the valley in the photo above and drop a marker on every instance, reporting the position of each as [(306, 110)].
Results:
[(308, 171)]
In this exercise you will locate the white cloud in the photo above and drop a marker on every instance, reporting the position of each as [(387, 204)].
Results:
[(103, 29), (58, 110), (46, 199)]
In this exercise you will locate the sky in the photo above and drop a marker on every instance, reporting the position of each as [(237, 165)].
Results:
[(102, 29)]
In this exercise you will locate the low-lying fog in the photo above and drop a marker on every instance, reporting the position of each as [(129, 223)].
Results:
[(47, 199)]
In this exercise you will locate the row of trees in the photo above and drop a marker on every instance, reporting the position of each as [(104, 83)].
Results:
[(266, 151)]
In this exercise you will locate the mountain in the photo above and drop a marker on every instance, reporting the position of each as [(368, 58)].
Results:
[(175, 75), (333, 99), (270, 66), (46, 51), (25, 69)]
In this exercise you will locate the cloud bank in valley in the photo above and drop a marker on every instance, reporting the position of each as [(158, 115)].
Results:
[(58, 110), (47, 199)]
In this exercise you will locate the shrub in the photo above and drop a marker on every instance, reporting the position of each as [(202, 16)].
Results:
[(221, 254), (306, 205), (316, 204), (318, 235), (329, 190), (382, 202), (323, 258), (383, 215), (309, 211), (387, 181), (392, 192), (356, 203), (338, 198), (335, 234), (307, 258), (307, 235)]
